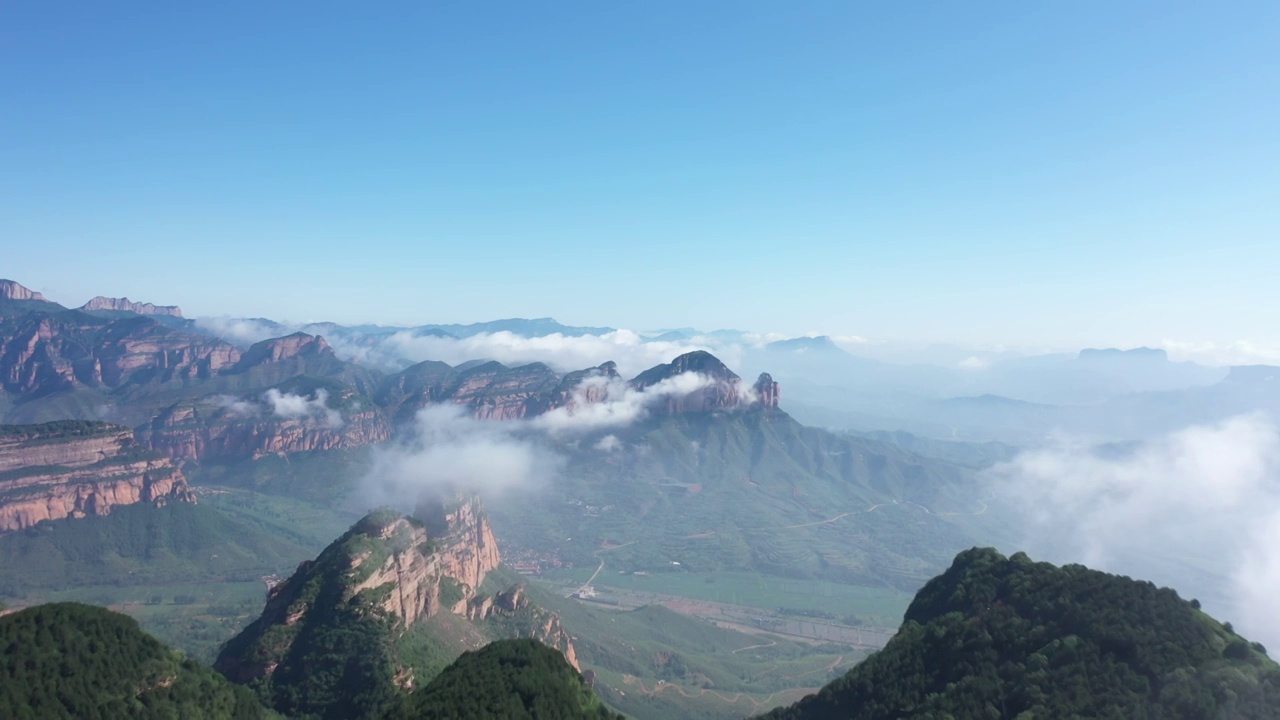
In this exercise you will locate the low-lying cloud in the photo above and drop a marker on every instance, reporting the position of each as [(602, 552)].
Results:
[(619, 403), (288, 405), (449, 450), (236, 406), (1178, 510), (285, 405), (242, 331)]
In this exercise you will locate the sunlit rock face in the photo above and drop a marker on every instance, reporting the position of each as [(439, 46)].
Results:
[(60, 470)]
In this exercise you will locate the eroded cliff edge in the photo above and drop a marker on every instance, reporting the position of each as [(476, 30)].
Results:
[(76, 468)]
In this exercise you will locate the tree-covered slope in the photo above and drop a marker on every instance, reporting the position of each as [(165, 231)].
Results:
[(1010, 638), (506, 680), (140, 544), (67, 660)]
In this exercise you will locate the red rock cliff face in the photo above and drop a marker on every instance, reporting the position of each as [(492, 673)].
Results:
[(464, 555), (208, 430), (47, 353), (495, 392), (49, 476), (288, 347), (34, 447), (126, 305)]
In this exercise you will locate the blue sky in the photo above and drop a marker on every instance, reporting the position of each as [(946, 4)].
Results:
[(1059, 174)]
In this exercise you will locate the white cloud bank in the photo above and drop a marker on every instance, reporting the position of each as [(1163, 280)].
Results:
[(1165, 510), (449, 450)]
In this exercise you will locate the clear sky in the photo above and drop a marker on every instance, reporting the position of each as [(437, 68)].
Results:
[(1069, 173)]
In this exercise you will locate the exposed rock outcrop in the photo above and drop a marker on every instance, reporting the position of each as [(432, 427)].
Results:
[(766, 392), (10, 290), (72, 469), (545, 628), (275, 350), (127, 305), (42, 354), (496, 392), (463, 556), (226, 428)]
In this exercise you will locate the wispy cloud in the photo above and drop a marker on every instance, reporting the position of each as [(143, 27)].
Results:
[(621, 403), (449, 450), (608, 443), (242, 331), (236, 406)]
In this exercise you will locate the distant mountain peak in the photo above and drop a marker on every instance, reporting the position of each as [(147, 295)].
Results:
[(1138, 353), (282, 348), (698, 361), (1254, 374), (126, 305), (814, 344), (10, 290)]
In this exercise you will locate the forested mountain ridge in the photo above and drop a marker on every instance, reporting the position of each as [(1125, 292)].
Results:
[(80, 662), (506, 680), (1011, 638)]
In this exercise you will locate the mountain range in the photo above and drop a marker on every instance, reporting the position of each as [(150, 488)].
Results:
[(155, 465)]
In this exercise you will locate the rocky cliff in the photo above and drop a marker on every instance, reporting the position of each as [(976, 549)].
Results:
[(494, 391), (767, 393), (46, 353), (10, 290), (222, 427), (74, 469), (539, 623), (127, 305)]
